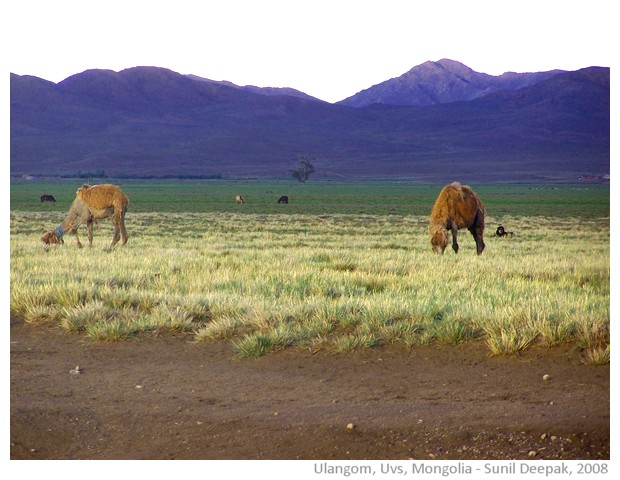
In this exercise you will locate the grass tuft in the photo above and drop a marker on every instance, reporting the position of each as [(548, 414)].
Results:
[(596, 355)]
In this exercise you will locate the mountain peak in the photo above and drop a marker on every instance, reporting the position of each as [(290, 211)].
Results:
[(442, 81), (450, 64)]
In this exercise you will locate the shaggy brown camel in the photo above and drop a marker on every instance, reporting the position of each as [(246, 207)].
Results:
[(93, 203), (456, 207)]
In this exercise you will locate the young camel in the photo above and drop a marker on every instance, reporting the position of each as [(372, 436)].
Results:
[(91, 204)]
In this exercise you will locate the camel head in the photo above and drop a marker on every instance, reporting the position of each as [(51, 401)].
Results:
[(52, 238), (439, 238)]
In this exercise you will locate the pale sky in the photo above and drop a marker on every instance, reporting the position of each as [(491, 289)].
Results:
[(328, 49)]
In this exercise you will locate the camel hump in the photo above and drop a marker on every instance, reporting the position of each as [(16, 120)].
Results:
[(466, 193), (83, 188), (103, 196), (455, 192)]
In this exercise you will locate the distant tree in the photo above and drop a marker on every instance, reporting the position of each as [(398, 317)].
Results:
[(87, 174), (304, 169)]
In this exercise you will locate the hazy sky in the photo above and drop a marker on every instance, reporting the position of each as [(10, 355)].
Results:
[(329, 49)]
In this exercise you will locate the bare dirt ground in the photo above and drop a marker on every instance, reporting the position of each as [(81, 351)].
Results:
[(166, 397)]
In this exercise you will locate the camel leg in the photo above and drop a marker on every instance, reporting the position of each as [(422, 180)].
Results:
[(116, 221), (477, 231), (123, 234), (117, 235), (478, 238), (79, 244), (89, 227), (479, 243), (74, 230), (123, 229), (455, 245)]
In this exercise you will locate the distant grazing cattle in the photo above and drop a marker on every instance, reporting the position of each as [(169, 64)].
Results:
[(501, 232), (47, 198), (283, 199), (239, 199)]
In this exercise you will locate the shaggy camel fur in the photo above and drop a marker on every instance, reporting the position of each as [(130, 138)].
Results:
[(91, 204), (456, 207)]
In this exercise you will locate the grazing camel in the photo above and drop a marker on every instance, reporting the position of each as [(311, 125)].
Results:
[(239, 199), (91, 204), (79, 214), (456, 207)]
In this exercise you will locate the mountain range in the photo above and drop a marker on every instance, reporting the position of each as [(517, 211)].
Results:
[(440, 121)]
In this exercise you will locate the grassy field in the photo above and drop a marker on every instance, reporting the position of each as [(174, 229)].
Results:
[(344, 266)]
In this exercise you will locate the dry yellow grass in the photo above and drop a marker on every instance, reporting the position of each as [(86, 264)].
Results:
[(339, 282)]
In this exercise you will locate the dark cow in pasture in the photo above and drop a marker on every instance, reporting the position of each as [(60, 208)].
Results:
[(501, 232), (47, 198), (283, 199)]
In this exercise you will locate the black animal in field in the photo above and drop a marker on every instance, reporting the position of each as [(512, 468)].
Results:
[(501, 232), (283, 199), (47, 198)]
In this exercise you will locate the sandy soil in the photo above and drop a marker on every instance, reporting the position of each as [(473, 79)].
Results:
[(166, 397)]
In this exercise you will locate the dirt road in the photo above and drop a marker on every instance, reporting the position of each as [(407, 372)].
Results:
[(165, 397)]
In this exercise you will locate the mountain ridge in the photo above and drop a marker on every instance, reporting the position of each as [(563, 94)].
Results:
[(270, 91), (152, 121), (444, 81)]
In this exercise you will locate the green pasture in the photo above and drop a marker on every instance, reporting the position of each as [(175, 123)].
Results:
[(315, 198), (343, 266)]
